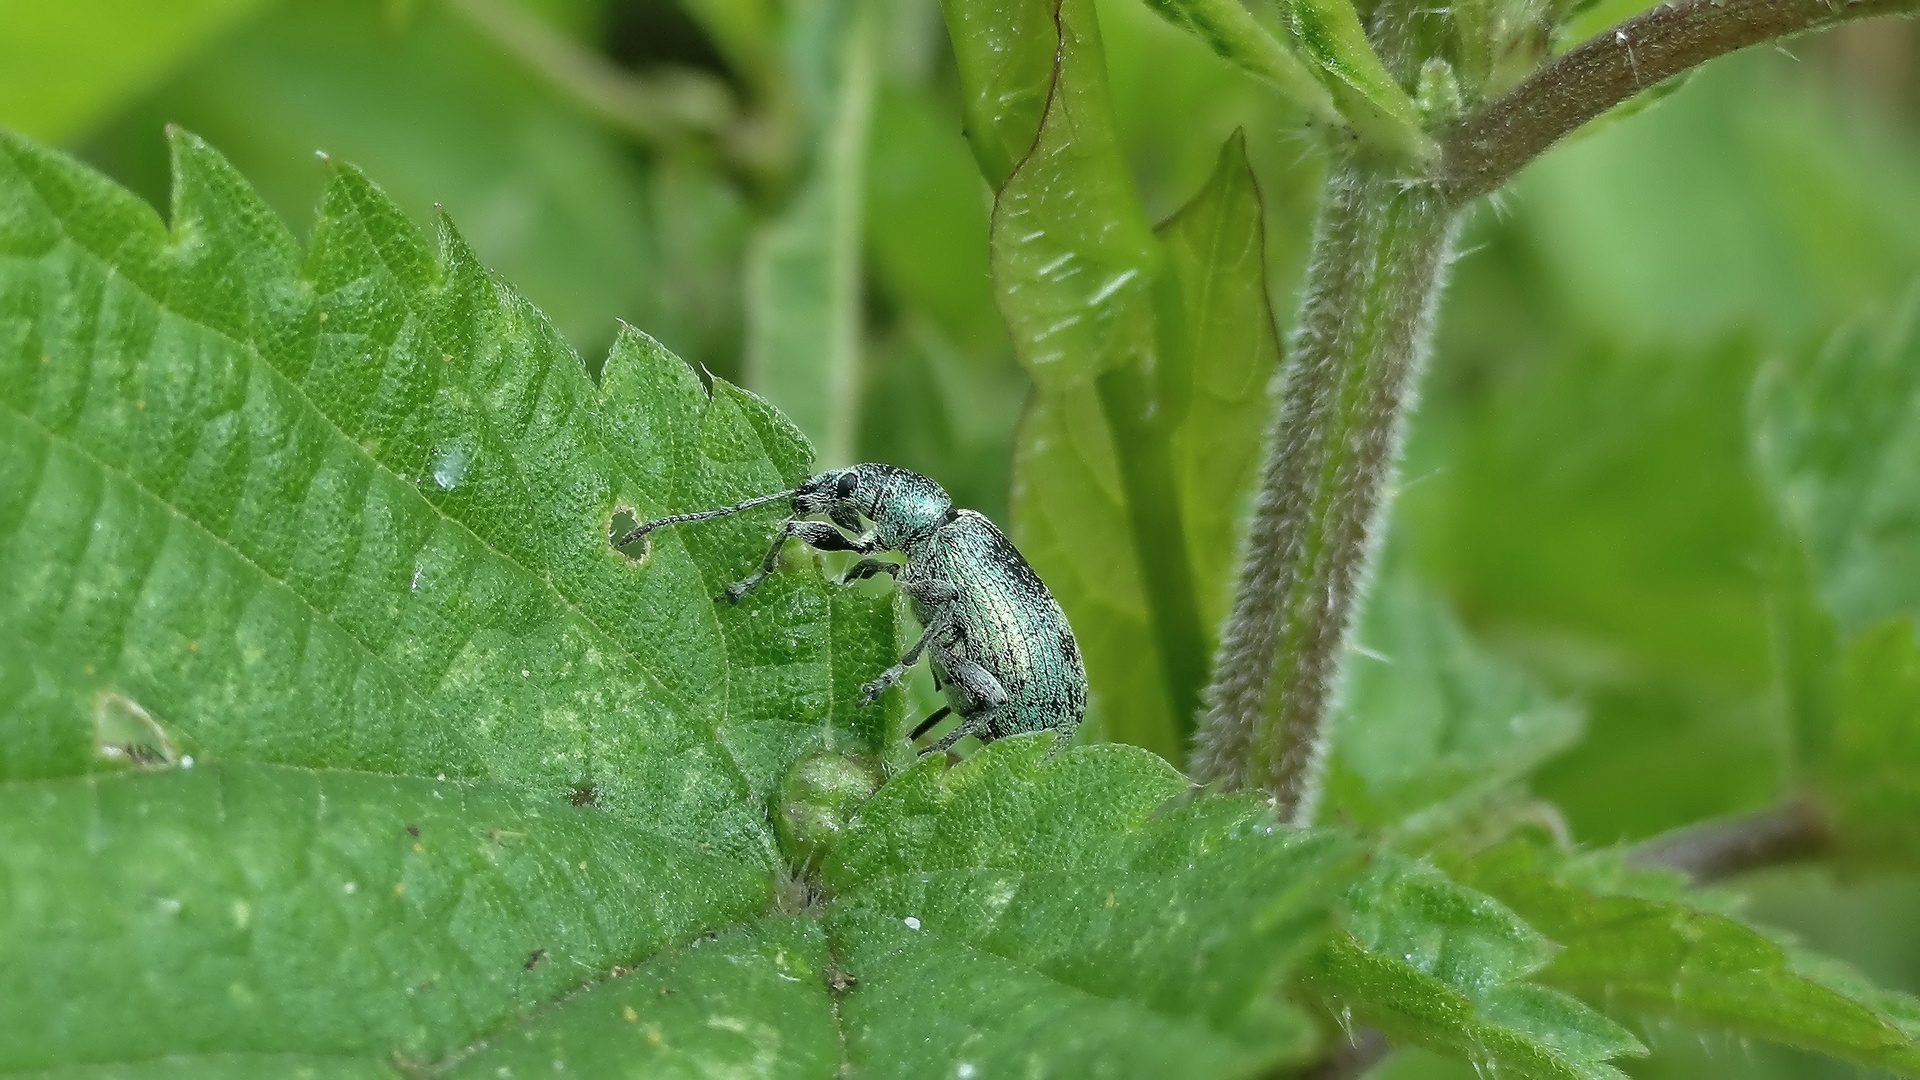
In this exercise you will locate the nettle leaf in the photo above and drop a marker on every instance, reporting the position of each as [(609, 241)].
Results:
[(1431, 729), (228, 1067), (1837, 440), (1020, 909), (1635, 945), (332, 527), (1436, 963), (749, 1002), (271, 909)]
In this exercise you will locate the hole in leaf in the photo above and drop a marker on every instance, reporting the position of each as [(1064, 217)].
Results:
[(125, 732), (623, 523)]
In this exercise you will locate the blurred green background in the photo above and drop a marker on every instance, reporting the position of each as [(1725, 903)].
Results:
[(783, 194)]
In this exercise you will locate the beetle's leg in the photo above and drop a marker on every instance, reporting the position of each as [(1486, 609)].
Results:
[(972, 726), (927, 724), (1062, 738), (866, 568), (978, 682), (815, 534), (933, 592), (874, 689)]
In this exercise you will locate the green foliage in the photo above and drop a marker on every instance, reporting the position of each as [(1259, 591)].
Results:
[(1872, 777), (1433, 731), (1231, 354), (1230, 30), (1005, 52), (1330, 38), (356, 504), (1151, 355), (1015, 910), (240, 908), (335, 741), (804, 296), (59, 75), (370, 388), (1085, 289), (445, 119), (1835, 439), (945, 392), (750, 1001), (1609, 573), (1429, 960), (1580, 483), (1635, 945), (330, 754)]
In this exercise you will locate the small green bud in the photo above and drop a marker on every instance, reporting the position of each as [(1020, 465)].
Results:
[(816, 802), (1439, 94)]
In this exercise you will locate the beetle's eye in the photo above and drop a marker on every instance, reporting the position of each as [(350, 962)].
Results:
[(844, 489)]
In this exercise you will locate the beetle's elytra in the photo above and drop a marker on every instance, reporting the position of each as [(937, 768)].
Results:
[(1000, 647)]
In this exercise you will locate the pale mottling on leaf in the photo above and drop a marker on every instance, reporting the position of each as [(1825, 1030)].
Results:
[(342, 512)]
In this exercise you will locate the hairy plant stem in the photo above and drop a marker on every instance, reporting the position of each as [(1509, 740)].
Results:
[(1378, 263), (1486, 149), (1379, 257)]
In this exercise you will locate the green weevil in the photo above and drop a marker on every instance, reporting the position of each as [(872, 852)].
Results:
[(1000, 647)]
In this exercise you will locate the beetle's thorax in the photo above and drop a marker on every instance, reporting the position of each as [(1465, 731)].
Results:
[(904, 507)]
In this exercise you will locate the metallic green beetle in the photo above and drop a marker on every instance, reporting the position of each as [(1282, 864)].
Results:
[(1000, 646)]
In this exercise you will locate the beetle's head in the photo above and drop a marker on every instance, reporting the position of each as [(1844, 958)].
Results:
[(902, 505)]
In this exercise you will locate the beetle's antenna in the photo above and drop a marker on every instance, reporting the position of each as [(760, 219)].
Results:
[(747, 504)]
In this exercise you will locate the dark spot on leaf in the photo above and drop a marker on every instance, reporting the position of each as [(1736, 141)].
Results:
[(623, 523), (126, 732), (584, 794), (534, 958), (412, 829)]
